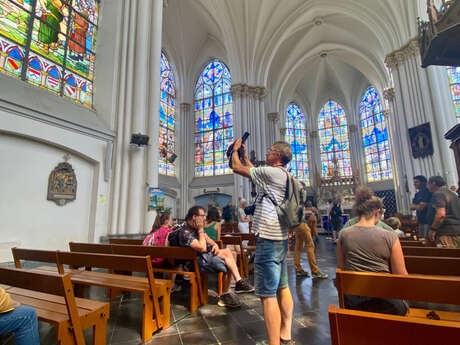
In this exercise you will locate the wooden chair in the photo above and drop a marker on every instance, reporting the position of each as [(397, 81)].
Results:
[(51, 295), (351, 327), (242, 256), (229, 228)]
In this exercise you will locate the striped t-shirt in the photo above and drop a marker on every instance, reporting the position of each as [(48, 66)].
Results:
[(265, 222)]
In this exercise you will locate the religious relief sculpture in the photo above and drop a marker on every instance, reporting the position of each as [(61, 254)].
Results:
[(62, 184)]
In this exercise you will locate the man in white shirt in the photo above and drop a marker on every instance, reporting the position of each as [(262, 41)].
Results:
[(270, 270)]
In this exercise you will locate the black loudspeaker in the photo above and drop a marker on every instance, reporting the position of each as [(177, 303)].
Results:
[(139, 139)]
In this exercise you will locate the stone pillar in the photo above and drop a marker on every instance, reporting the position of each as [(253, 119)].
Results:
[(356, 150), (248, 104), (137, 112), (414, 103), (186, 156), (272, 128), (153, 111)]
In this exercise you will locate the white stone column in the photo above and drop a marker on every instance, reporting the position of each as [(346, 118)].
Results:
[(153, 111), (415, 102), (356, 150), (186, 156)]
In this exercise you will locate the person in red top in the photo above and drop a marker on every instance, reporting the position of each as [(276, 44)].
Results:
[(161, 228)]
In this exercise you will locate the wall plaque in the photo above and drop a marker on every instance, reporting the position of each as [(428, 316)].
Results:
[(62, 184), (420, 141)]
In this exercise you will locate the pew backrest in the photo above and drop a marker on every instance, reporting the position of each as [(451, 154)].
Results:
[(90, 247), (132, 241), (443, 290), (431, 251), (48, 256), (352, 327), (432, 265)]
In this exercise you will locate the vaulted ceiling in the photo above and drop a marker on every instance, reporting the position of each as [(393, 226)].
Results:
[(307, 49)]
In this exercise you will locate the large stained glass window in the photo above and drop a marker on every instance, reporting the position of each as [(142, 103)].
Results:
[(296, 136), (213, 120), (334, 143), (375, 136), (454, 80), (51, 44), (167, 119)]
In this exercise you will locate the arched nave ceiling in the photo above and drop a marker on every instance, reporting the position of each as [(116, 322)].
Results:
[(278, 43)]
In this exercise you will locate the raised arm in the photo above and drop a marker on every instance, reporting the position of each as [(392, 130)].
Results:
[(237, 165)]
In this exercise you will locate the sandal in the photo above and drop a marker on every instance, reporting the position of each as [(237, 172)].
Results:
[(287, 342)]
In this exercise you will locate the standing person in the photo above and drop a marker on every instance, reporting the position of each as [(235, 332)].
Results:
[(446, 224), (21, 320), (212, 227), (161, 228), (270, 268), (336, 218), (227, 212), (420, 204), (312, 220), (211, 259), (330, 204), (364, 247), (243, 219)]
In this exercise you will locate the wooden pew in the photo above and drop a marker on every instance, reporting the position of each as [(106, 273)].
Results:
[(132, 241), (352, 327), (412, 243), (151, 289), (420, 288), (197, 296), (242, 257), (431, 265), (229, 228), (51, 295), (431, 251)]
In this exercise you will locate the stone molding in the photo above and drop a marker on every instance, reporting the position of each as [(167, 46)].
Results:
[(389, 94), (386, 113), (394, 59), (185, 107), (314, 134), (245, 90), (353, 128), (274, 117)]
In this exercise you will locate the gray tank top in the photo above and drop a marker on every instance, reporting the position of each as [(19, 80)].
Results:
[(367, 249)]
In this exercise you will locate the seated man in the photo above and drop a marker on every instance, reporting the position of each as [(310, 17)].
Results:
[(211, 259)]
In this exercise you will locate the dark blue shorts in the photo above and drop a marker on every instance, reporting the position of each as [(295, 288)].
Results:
[(209, 263)]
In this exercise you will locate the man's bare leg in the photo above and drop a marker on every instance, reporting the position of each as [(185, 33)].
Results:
[(286, 306), (272, 317), (227, 256)]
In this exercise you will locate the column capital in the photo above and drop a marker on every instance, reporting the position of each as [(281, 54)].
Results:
[(389, 94), (386, 113), (395, 58), (282, 132), (314, 134), (244, 90), (275, 116), (353, 128), (185, 107), (239, 90)]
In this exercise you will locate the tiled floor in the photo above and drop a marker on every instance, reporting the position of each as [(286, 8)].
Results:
[(215, 325)]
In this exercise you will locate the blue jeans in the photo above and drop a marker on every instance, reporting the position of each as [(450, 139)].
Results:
[(270, 267), (22, 321)]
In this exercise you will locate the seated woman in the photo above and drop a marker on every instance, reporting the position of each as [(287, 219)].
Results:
[(364, 247), (212, 226), (20, 320), (161, 228)]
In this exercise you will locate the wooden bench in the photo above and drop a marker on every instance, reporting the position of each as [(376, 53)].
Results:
[(51, 295), (431, 251), (420, 288), (412, 243), (132, 241), (432, 265), (198, 294), (152, 290), (352, 327)]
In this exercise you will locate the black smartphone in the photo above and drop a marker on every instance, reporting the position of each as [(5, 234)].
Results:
[(230, 149)]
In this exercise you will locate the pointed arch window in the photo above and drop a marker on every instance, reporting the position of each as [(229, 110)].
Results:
[(296, 136), (334, 142), (375, 137), (454, 81), (213, 120), (51, 44), (167, 140)]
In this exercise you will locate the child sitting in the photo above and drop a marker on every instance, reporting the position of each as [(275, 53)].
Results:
[(395, 223)]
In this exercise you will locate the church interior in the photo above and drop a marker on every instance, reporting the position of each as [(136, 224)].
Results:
[(115, 111)]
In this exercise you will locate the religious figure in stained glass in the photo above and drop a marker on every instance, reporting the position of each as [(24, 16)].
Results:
[(56, 36), (375, 137), (454, 81), (296, 136), (167, 119), (213, 120), (334, 142)]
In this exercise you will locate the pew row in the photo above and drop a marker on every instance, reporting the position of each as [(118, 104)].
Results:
[(152, 290), (131, 241), (352, 327), (431, 251), (52, 297), (433, 265)]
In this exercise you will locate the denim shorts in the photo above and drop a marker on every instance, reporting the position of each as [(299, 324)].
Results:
[(270, 267), (210, 263)]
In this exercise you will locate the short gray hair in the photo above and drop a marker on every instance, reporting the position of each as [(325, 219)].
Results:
[(285, 151)]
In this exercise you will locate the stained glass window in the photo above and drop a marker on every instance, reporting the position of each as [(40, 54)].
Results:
[(296, 136), (51, 44), (167, 119), (334, 144), (454, 80), (213, 120), (375, 136)]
